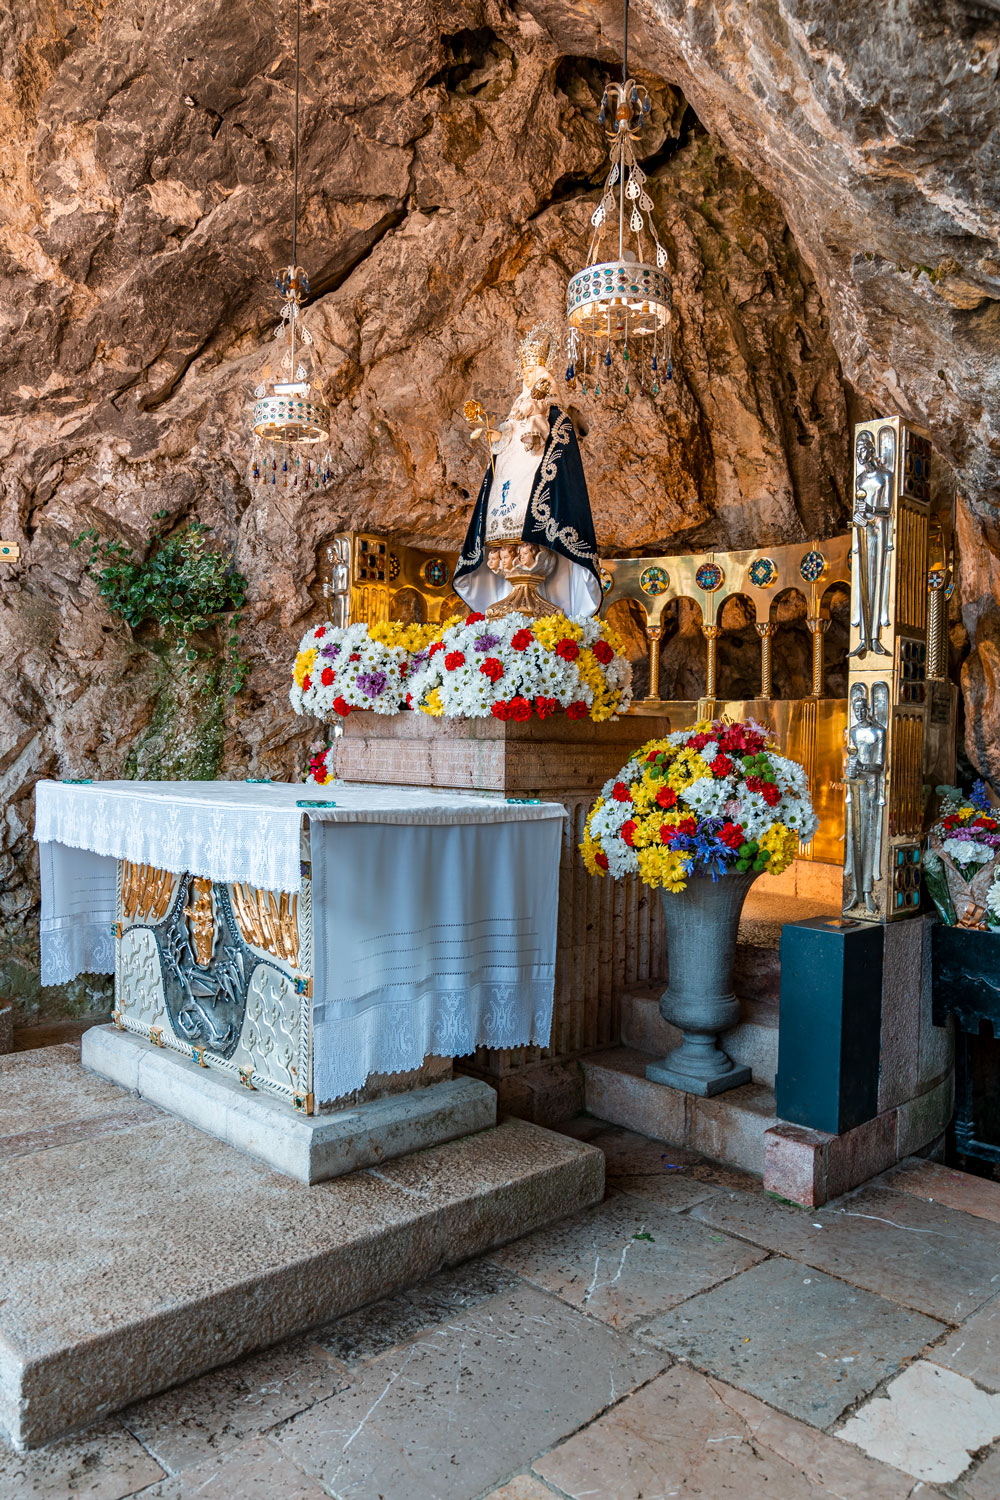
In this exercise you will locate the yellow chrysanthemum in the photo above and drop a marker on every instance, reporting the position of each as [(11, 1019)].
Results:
[(687, 768), (590, 848), (783, 844), (967, 812), (614, 640), (606, 699), (432, 704), (664, 867), (304, 664), (551, 629)]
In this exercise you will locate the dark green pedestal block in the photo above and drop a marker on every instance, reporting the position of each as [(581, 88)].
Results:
[(830, 1024), (965, 983)]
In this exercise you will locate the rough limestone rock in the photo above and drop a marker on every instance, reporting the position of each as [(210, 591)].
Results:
[(823, 177)]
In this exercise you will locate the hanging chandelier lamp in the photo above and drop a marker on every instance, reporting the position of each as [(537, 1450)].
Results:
[(618, 308), (290, 417)]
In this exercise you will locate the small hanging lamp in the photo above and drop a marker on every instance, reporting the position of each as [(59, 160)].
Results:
[(618, 308), (290, 417)]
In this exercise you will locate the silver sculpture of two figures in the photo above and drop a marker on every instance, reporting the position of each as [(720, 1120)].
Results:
[(868, 717)]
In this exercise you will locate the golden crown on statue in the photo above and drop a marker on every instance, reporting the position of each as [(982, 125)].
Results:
[(534, 348)]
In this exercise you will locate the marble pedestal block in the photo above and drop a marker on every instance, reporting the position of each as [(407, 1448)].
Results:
[(311, 1148), (610, 932)]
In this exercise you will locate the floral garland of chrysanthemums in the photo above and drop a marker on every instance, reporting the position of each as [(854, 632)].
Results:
[(703, 801), (512, 668), (962, 859)]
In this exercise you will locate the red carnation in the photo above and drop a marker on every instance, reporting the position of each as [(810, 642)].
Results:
[(577, 710), (770, 794), (667, 833), (491, 667), (567, 649), (437, 646), (319, 632), (601, 861), (666, 798), (404, 667), (521, 640), (731, 835), (307, 683), (354, 656), (721, 766), (697, 741), (688, 826), (341, 707), (454, 660), (652, 756), (628, 829), (501, 710), (520, 709), (621, 793), (603, 652), (475, 618), (755, 783), (326, 676), (409, 700), (545, 706)]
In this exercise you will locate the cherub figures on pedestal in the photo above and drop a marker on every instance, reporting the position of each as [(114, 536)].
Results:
[(864, 778), (530, 544), (874, 478)]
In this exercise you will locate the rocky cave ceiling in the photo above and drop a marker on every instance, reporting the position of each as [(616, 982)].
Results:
[(826, 177)]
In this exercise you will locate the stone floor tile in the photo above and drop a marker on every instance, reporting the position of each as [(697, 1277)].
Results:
[(685, 1435), (224, 1408), (803, 1341), (928, 1423), (636, 1164), (395, 1320), (938, 1184), (256, 1471), (524, 1487), (934, 1259), (453, 1413), (974, 1349), (630, 1258), (103, 1463), (981, 1482)]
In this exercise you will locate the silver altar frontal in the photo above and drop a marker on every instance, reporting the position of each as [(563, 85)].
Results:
[(295, 973)]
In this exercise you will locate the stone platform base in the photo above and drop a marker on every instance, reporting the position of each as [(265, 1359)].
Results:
[(729, 1127), (311, 1148), (138, 1251)]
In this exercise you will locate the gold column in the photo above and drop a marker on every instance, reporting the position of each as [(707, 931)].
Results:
[(817, 629), (937, 628), (711, 634), (766, 633), (654, 634)]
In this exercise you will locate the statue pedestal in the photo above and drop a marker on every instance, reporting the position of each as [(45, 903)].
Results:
[(610, 932)]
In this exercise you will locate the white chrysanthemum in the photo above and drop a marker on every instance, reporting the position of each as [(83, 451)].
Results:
[(708, 797), (965, 852), (993, 898)]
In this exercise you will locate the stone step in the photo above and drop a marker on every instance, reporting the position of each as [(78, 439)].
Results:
[(757, 971), (728, 1127), (139, 1252)]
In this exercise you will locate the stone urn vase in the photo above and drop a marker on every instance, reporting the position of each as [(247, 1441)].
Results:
[(702, 922)]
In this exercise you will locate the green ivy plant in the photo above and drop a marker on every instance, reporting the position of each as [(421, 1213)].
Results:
[(182, 585)]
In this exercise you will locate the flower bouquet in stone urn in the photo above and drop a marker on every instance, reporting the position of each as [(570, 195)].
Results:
[(699, 816)]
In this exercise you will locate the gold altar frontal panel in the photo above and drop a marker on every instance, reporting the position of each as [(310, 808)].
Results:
[(220, 973), (375, 579)]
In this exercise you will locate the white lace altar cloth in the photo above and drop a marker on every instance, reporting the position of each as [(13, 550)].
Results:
[(434, 913)]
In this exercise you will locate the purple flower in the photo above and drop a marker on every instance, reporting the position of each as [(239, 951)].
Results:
[(485, 641), (330, 650), (372, 683), (419, 659)]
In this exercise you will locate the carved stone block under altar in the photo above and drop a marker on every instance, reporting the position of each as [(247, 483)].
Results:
[(610, 933)]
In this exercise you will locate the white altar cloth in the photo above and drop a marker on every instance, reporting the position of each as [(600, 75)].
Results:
[(434, 913)]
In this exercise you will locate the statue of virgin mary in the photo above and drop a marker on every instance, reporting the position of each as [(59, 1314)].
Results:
[(530, 544)]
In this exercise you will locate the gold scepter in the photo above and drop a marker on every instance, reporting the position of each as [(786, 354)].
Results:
[(478, 419)]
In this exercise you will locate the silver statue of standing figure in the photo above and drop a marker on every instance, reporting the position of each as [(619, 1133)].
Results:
[(864, 777), (874, 477)]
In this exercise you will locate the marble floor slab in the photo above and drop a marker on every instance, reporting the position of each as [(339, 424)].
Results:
[(943, 1185), (685, 1435), (447, 1415), (974, 1349), (103, 1463), (802, 1341), (936, 1260), (630, 1258), (929, 1423)]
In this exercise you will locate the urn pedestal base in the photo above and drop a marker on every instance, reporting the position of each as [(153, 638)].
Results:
[(705, 1088)]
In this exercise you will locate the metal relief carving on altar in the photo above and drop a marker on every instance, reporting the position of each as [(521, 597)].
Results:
[(219, 973), (865, 784), (874, 494)]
